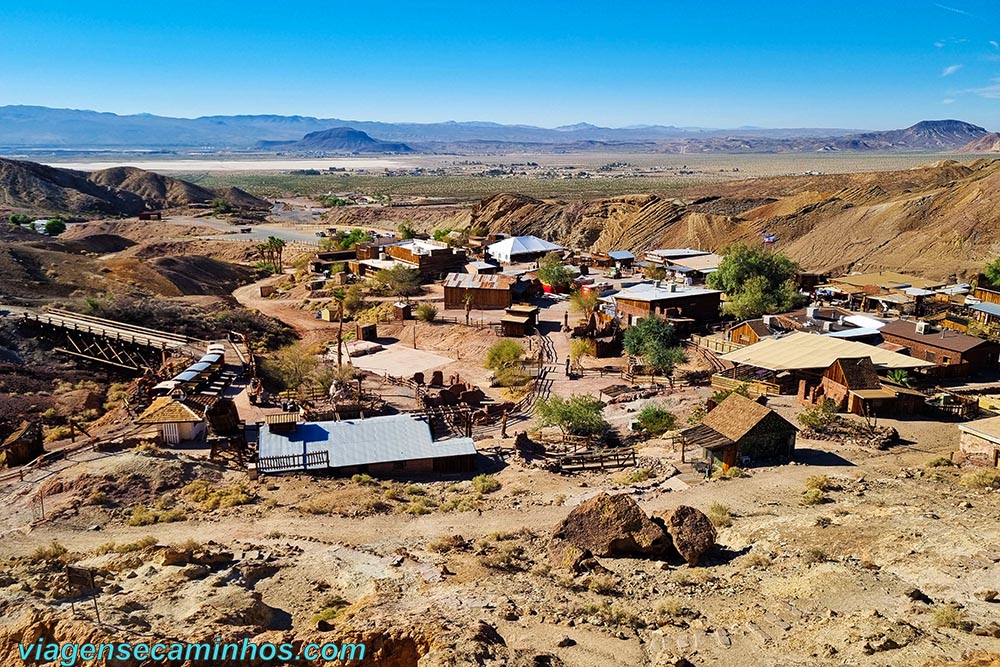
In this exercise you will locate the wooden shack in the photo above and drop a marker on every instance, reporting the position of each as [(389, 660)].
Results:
[(519, 320), (979, 443), (368, 332), (151, 215), (402, 311), (738, 429), (22, 446), (480, 291)]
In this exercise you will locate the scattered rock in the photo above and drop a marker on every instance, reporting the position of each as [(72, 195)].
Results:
[(988, 595), (918, 595), (692, 532), (195, 571), (566, 641), (171, 556), (606, 525)]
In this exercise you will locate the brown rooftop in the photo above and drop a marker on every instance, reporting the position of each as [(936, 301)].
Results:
[(945, 339), (736, 416)]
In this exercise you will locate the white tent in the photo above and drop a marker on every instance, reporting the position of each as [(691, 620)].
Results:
[(510, 248)]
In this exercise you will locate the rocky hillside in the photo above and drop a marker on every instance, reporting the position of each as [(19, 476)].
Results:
[(38, 188), (936, 220), (988, 143)]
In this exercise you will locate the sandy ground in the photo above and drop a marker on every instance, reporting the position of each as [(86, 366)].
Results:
[(276, 164)]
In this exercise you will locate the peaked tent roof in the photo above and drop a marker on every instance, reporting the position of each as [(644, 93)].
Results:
[(520, 245)]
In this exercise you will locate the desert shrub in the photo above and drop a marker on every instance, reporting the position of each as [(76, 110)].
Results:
[(820, 417), (415, 490), (823, 522), (820, 482), (634, 477), (656, 419), (143, 516), (611, 615), (940, 462), (464, 503), (815, 555), (756, 559), (511, 377), (117, 392), (697, 414), (52, 551), (447, 543), (981, 479), (418, 507), (485, 483), (504, 556), (210, 497), (392, 492), (951, 616), (733, 472), (98, 498), (426, 312), (332, 608), (602, 584), (58, 433), (814, 497), (363, 479), (503, 354), (720, 515), (138, 545)]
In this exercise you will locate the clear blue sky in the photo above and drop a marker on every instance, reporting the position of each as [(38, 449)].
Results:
[(877, 64)]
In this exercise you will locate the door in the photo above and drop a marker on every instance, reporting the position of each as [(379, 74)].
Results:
[(171, 434)]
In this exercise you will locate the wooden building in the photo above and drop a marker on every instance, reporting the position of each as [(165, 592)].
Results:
[(326, 260), (621, 259), (669, 302), (519, 320), (740, 428), (748, 332), (979, 442), (22, 446), (481, 291), (855, 386), (944, 347), (151, 215), (431, 258)]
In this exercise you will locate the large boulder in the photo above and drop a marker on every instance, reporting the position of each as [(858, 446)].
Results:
[(607, 525), (692, 533)]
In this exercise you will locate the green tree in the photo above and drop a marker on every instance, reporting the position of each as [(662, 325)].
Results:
[(399, 280), (441, 234), (992, 272), (654, 272), (552, 272), (19, 219), (755, 281), (354, 299), (580, 348), (503, 354), (656, 419), (656, 342), (55, 226), (576, 415), (292, 366), (584, 303), (406, 230), (220, 206)]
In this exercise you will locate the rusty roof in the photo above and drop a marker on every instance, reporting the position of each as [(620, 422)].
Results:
[(944, 339), (479, 281)]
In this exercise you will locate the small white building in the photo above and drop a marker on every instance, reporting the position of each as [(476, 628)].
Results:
[(174, 419)]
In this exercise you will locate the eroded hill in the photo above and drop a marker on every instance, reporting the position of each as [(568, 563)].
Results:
[(38, 188), (938, 220)]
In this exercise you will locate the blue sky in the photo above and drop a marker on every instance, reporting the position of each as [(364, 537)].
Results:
[(875, 65)]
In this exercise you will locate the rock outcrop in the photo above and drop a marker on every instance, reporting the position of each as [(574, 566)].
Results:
[(692, 533)]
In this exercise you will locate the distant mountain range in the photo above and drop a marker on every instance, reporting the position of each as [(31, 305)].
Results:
[(988, 143), (33, 128)]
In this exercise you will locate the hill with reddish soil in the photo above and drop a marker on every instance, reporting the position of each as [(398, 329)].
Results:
[(40, 189), (936, 220), (988, 143)]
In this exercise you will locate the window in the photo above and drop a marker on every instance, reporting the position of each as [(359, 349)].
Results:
[(930, 356)]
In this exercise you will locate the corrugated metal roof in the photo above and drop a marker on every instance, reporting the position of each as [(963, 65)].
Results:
[(479, 281), (356, 442), (620, 255), (805, 350), (988, 308), (649, 292)]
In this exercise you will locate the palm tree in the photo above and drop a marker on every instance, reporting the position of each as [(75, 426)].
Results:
[(900, 377), (339, 296), (277, 247)]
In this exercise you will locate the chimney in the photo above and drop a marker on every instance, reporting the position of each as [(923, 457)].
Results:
[(812, 312), (922, 328)]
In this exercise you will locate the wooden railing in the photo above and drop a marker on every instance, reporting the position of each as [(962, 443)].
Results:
[(716, 344), (753, 387), (290, 462)]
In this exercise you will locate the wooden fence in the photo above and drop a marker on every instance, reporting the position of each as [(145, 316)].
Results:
[(599, 460), (715, 344), (309, 460), (753, 387)]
